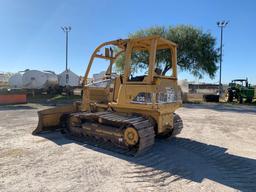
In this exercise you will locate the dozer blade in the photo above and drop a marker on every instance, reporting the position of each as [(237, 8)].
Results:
[(49, 119)]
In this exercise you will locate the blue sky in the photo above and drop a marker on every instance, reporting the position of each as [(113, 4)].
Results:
[(30, 35)]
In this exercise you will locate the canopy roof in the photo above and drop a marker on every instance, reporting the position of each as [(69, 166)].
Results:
[(142, 42)]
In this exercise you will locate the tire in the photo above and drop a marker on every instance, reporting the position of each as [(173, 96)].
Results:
[(230, 96), (249, 100), (240, 99)]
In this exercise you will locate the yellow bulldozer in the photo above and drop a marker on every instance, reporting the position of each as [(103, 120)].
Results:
[(128, 106)]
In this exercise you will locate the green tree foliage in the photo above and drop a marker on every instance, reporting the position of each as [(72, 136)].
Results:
[(196, 49)]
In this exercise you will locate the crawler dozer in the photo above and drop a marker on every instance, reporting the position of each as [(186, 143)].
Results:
[(131, 104)]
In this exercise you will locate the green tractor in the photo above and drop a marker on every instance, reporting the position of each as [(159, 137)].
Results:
[(240, 89)]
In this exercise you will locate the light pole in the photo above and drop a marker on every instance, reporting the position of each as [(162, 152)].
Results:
[(66, 29), (222, 25)]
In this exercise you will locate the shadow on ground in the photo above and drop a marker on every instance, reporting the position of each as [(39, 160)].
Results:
[(36, 104), (52, 103), (53, 100), (15, 107), (182, 159), (224, 107)]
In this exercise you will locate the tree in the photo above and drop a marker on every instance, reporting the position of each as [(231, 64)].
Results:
[(196, 50)]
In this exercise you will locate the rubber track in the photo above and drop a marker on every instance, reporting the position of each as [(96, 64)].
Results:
[(142, 125), (177, 124)]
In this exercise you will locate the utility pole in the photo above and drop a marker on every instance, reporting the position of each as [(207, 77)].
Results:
[(222, 25), (66, 29)]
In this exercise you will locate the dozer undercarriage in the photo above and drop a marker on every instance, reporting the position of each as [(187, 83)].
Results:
[(133, 133), (123, 112)]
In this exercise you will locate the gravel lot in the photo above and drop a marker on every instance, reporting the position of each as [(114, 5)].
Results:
[(215, 152)]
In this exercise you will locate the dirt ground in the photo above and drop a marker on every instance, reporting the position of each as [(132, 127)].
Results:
[(216, 151)]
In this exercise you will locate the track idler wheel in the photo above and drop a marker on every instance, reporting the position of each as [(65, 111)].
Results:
[(131, 136)]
